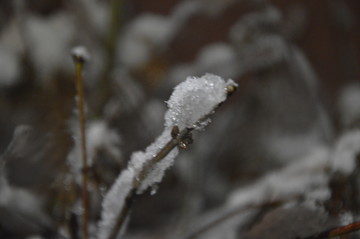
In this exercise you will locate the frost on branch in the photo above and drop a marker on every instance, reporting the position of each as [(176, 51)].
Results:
[(191, 101)]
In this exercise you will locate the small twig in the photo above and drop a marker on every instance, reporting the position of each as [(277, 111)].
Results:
[(179, 139), (338, 231), (79, 56)]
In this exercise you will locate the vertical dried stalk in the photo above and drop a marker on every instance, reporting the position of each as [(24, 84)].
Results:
[(79, 60)]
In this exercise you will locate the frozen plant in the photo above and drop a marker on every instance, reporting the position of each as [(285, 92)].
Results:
[(190, 105)]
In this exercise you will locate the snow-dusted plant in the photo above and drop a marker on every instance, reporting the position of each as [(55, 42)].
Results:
[(189, 108)]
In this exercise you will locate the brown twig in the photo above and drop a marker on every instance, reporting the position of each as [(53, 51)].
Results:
[(79, 60), (338, 231)]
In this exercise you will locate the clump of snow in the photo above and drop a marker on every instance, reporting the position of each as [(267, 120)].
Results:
[(190, 101), (345, 151), (194, 99), (80, 52), (349, 103)]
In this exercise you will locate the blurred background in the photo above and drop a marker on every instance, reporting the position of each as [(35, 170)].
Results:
[(296, 62)]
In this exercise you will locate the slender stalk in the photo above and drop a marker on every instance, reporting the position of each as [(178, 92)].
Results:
[(79, 60)]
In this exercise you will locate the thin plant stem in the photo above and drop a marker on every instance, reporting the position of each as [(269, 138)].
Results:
[(79, 64)]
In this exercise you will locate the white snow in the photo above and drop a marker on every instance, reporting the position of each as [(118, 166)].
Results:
[(195, 98), (80, 52), (114, 202), (345, 151), (349, 104)]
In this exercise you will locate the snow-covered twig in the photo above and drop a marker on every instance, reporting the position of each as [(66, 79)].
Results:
[(190, 106)]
